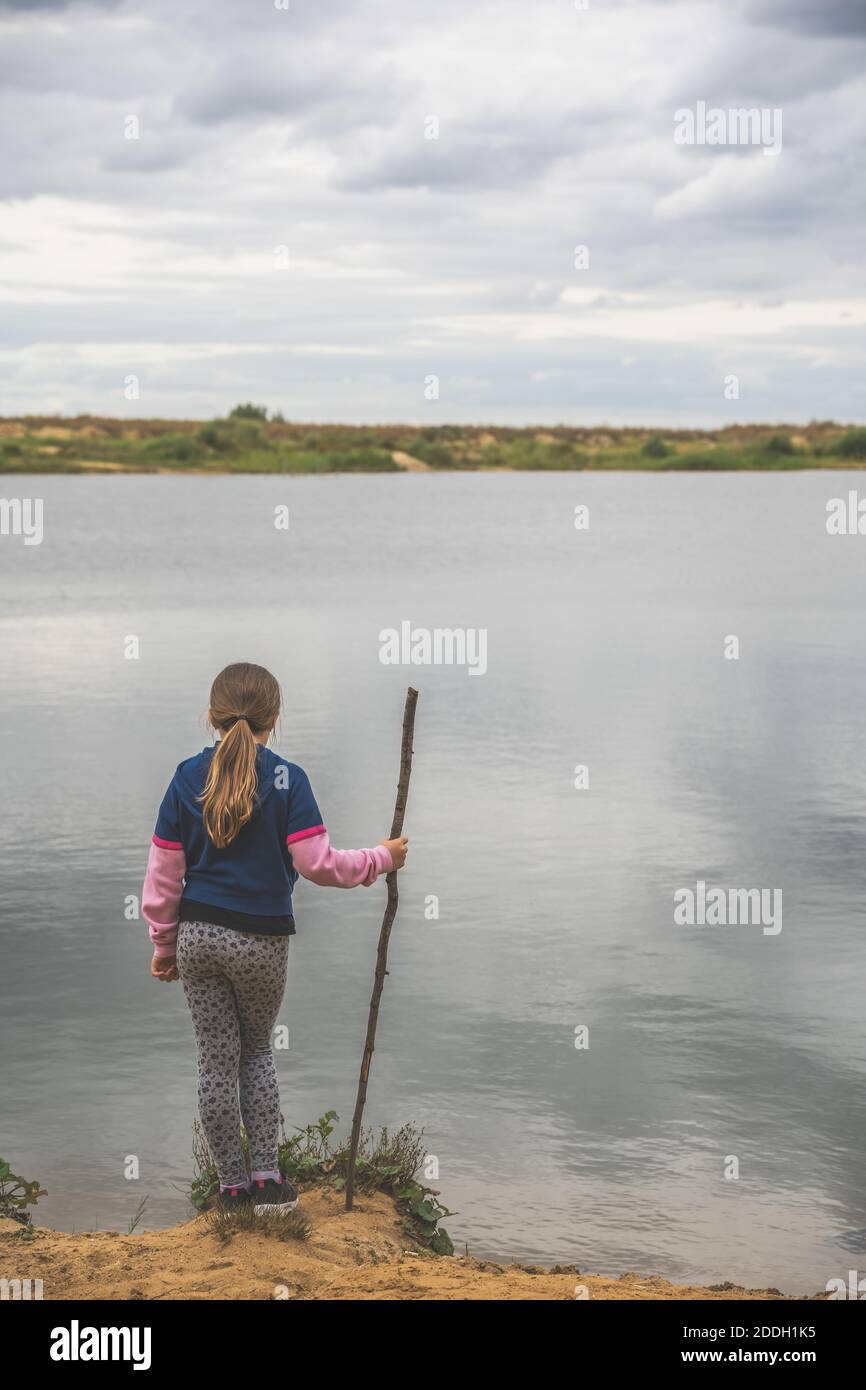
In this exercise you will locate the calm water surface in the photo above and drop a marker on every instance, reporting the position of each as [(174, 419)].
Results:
[(555, 905)]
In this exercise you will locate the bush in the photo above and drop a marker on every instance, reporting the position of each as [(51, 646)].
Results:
[(852, 445), (530, 454), (656, 448), (174, 448), (780, 444), (16, 1193), (233, 436), (248, 411), (429, 451), (493, 456)]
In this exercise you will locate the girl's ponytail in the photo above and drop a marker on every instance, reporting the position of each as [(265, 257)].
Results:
[(245, 700), (230, 789)]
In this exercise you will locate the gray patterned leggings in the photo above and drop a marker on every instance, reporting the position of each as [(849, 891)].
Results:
[(234, 983)]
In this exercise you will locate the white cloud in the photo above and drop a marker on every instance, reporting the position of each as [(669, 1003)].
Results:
[(408, 256)]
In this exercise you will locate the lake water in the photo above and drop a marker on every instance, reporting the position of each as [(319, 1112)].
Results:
[(605, 648)]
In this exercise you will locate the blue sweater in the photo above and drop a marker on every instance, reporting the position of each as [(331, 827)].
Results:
[(250, 881)]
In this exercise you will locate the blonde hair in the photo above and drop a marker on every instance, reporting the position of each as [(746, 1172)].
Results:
[(244, 700)]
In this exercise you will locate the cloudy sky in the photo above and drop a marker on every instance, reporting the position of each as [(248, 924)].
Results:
[(406, 257)]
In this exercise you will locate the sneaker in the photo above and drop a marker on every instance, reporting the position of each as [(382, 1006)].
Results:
[(234, 1198), (271, 1198)]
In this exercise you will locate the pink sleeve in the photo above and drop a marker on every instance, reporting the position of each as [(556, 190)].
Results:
[(161, 895), (315, 859)]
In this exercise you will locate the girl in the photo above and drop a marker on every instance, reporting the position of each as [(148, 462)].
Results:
[(236, 827)]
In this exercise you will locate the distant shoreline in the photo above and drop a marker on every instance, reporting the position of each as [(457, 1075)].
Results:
[(132, 471), (250, 442)]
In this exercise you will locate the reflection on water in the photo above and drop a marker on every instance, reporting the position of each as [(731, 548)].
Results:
[(556, 905)]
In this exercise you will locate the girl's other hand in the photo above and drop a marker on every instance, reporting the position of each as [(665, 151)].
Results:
[(164, 968), (397, 849)]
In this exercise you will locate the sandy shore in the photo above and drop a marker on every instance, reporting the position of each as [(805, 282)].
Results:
[(363, 1254)]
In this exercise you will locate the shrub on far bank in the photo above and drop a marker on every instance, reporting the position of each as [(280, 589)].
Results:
[(234, 436), (656, 448), (173, 448), (528, 454), (430, 451), (780, 444), (852, 445)]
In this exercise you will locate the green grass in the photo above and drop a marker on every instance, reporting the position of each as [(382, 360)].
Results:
[(17, 1194), (246, 442), (386, 1162), (293, 1225)]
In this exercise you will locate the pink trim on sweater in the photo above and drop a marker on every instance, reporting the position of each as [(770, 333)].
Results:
[(304, 834), (166, 844), (340, 868), (161, 895), (165, 948)]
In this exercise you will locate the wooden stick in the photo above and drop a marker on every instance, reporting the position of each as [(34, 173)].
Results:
[(384, 937)]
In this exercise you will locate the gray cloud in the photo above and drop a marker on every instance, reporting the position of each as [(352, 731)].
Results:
[(838, 17), (289, 86)]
